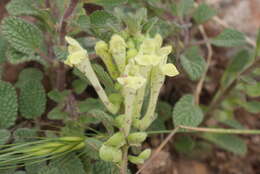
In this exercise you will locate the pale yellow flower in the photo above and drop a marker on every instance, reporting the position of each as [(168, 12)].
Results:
[(76, 52), (169, 69), (147, 60), (133, 82)]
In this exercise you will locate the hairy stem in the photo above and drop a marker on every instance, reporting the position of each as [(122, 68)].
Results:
[(124, 164)]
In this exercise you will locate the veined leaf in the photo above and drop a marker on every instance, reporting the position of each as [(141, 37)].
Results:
[(107, 3), (22, 35), (186, 113), (193, 63), (32, 99), (203, 13), (8, 105), (22, 7), (230, 143), (229, 38), (182, 8), (4, 136), (103, 167)]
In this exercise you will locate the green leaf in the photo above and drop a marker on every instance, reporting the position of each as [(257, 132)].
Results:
[(15, 57), (8, 105), (22, 7), (257, 49), (164, 110), (57, 114), (182, 8), (193, 63), (58, 96), (22, 35), (104, 77), (230, 143), (4, 136), (184, 144), (229, 38), (35, 168), (251, 106), (20, 172), (7, 171), (25, 135), (49, 170), (79, 86), (103, 24), (68, 164), (102, 167), (238, 64), (252, 90), (89, 104), (32, 99), (186, 113), (92, 148), (30, 74), (3, 45), (108, 3), (203, 13)]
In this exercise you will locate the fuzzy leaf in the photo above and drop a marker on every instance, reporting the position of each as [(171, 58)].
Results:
[(58, 96), (57, 114), (203, 13), (8, 105), (24, 134), (3, 45), (68, 164), (79, 85), (182, 8), (186, 113), (193, 63), (238, 64), (22, 7), (108, 3), (4, 136), (102, 167), (104, 77), (32, 99), (251, 106), (22, 35), (15, 57), (30, 74), (229, 38), (230, 143)]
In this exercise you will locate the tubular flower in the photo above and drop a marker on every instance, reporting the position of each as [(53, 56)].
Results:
[(133, 82), (169, 69), (76, 52)]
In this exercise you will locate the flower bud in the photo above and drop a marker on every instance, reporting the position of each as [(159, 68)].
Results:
[(73, 139), (145, 154), (111, 154), (120, 121), (141, 157), (118, 50), (117, 140), (135, 139)]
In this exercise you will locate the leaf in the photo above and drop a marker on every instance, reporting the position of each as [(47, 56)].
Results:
[(182, 8), (257, 49), (15, 57), (229, 38), (32, 99), (68, 164), (22, 35), (237, 65), (58, 96), (164, 110), (79, 86), (230, 143), (8, 105), (30, 74), (251, 106), (193, 63), (20, 172), (104, 77), (102, 167), (184, 144), (4, 136), (57, 114), (252, 90), (35, 168), (103, 24), (22, 7), (107, 3), (25, 135), (3, 45), (186, 113), (203, 13), (92, 148), (89, 104)]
